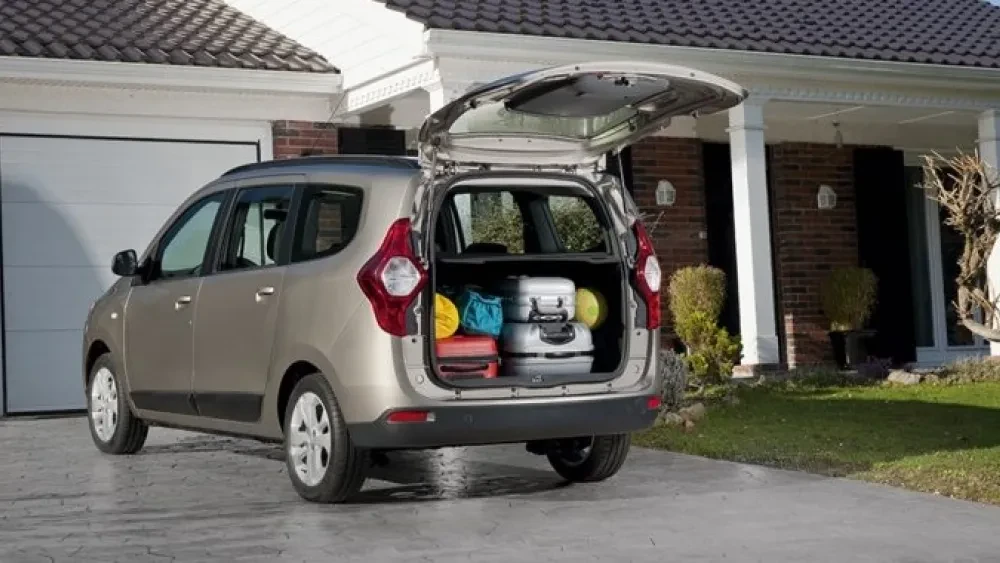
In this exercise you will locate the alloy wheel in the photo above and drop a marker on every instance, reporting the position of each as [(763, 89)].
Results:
[(104, 404), (310, 443)]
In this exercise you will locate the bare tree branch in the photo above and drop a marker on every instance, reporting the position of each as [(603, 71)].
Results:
[(979, 329), (965, 187)]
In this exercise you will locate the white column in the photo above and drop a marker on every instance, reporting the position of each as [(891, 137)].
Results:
[(989, 151), (753, 234), (443, 92)]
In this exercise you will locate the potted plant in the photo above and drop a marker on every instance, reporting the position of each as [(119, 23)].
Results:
[(848, 296)]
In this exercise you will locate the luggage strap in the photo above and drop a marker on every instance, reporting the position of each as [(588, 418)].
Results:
[(466, 364)]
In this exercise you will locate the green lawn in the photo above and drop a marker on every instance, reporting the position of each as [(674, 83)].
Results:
[(935, 438)]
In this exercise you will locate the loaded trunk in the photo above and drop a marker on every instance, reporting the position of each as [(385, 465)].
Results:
[(538, 347)]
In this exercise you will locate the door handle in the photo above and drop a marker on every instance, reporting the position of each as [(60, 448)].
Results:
[(263, 292), (182, 302)]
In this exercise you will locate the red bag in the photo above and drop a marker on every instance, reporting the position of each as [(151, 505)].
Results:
[(467, 357)]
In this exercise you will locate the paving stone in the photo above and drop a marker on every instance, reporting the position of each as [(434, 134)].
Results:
[(190, 497)]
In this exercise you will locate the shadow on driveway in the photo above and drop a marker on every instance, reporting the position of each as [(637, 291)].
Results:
[(418, 476)]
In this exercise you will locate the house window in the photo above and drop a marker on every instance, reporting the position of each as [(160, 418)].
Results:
[(916, 202), (934, 252)]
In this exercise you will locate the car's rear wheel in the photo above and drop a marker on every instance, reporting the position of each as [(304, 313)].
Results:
[(113, 426), (592, 459), (323, 463)]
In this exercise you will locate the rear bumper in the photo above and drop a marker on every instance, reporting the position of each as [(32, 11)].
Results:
[(467, 425)]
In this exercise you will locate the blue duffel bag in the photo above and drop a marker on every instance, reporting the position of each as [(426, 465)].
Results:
[(480, 314)]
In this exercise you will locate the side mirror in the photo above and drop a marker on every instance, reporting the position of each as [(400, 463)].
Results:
[(125, 263)]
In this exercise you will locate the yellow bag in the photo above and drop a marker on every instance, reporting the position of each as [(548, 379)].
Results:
[(445, 317), (591, 307)]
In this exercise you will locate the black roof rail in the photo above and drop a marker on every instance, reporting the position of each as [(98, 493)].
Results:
[(397, 162)]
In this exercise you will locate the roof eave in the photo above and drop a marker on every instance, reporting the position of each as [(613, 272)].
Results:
[(168, 77), (557, 50)]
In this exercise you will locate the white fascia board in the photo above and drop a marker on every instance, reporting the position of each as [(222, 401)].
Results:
[(395, 84), (167, 77), (117, 101), (554, 50)]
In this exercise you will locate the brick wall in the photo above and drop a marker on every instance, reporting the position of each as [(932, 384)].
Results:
[(810, 242), (300, 138), (679, 232)]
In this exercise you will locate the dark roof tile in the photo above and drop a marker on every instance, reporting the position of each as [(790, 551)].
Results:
[(949, 32), (206, 33)]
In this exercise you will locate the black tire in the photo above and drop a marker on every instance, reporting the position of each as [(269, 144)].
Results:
[(347, 465), (130, 431), (606, 456)]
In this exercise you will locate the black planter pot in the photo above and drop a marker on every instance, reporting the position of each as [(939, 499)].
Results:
[(850, 347)]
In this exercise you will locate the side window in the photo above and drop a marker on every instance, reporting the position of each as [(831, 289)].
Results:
[(577, 227), (182, 249), (490, 222), (256, 228), (328, 222)]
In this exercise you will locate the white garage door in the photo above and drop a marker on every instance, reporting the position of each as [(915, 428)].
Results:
[(68, 204)]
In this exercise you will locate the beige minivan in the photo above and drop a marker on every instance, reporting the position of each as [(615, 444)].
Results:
[(294, 300)]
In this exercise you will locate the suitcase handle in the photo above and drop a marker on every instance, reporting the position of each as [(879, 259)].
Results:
[(563, 335), (468, 368), (557, 314)]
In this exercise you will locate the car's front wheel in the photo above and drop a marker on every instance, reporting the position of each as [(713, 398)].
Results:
[(113, 427), (323, 464), (591, 459)]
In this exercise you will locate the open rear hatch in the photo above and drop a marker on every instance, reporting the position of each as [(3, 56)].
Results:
[(569, 116), (542, 124)]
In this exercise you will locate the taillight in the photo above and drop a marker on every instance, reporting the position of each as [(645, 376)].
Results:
[(392, 279), (654, 402), (648, 276)]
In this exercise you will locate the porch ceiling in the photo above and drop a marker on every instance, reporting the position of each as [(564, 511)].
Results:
[(870, 114), (899, 126)]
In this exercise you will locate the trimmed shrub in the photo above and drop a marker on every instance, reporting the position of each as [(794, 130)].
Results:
[(848, 297), (697, 289), (697, 295), (712, 351)]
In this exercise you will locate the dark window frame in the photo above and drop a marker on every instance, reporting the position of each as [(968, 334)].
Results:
[(301, 210)]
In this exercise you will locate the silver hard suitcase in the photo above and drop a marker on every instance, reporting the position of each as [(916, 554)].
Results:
[(546, 349), (528, 299)]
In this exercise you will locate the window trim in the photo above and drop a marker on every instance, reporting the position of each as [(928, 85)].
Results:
[(156, 256), (304, 193), (226, 228)]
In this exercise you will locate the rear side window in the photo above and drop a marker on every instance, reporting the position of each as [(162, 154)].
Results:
[(328, 221), (576, 224), (256, 228), (490, 222)]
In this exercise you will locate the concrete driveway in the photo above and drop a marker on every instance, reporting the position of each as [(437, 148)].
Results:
[(189, 497)]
